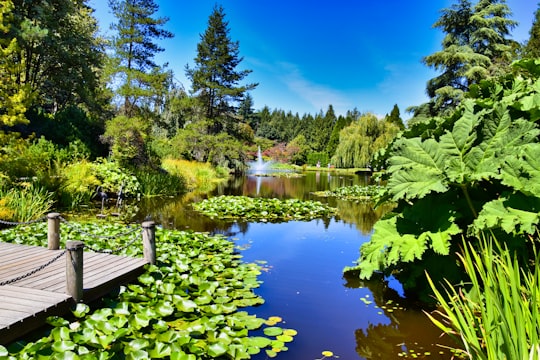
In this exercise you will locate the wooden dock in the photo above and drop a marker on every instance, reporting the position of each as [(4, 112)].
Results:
[(25, 304)]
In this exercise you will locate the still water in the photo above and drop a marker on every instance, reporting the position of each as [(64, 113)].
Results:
[(303, 280)]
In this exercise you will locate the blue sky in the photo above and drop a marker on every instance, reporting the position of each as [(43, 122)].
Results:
[(306, 55)]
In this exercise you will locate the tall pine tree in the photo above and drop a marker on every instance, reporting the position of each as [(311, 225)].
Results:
[(215, 78), (142, 84)]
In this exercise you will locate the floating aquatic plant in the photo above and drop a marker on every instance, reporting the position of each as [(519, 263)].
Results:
[(188, 306), (262, 209)]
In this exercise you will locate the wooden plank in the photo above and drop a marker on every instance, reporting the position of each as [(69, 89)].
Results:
[(25, 304)]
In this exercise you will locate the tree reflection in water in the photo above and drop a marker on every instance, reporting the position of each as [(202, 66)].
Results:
[(402, 331)]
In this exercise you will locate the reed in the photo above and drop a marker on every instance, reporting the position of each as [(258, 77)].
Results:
[(498, 317), (25, 203), (160, 183)]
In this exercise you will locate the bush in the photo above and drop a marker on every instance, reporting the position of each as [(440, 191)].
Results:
[(112, 177), (317, 157), (196, 175)]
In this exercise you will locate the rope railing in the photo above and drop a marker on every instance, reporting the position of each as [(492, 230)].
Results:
[(32, 272), (74, 249), (17, 223)]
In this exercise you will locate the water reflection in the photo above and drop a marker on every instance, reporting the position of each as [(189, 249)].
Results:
[(304, 281), (401, 329)]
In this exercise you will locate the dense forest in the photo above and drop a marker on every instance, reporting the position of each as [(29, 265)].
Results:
[(67, 84)]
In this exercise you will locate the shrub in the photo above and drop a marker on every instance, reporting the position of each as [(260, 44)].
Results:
[(317, 157), (112, 177), (197, 175)]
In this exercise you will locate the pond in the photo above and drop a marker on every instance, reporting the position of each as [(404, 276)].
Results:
[(303, 281)]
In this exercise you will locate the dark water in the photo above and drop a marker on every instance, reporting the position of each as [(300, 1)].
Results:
[(303, 281)]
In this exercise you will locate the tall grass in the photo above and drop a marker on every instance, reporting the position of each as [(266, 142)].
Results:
[(498, 318), (200, 176), (160, 183), (25, 203)]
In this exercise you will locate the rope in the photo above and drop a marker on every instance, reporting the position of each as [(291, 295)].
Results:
[(30, 273), (11, 223), (109, 251)]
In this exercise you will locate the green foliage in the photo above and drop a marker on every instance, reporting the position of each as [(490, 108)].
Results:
[(356, 192), (56, 55), (187, 306), (476, 173), (193, 143), (15, 99), (159, 182), (498, 317), (315, 158), (532, 48), (25, 202), (127, 139), (262, 209), (475, 47), (137, 79), (359, 141), (215, 78), (395, 118), (333, 141), (78, 185), (114, 177)]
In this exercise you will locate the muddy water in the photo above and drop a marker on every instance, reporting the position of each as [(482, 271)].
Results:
[(303, 281)]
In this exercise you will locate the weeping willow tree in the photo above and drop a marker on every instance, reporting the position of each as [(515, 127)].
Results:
[(359, 141)]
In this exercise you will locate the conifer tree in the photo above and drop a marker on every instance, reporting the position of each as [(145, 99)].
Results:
[(142, 83), (532, 48), (475, 47), (215, 78), (395, 117)]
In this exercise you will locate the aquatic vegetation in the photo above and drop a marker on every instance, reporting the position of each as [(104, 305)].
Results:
[(498, 317), (263, 209), (355, 192), (280, 174), (187, 306)]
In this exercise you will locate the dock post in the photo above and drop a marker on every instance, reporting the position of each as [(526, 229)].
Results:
[(149, 241), (74, 269), (53, 233)]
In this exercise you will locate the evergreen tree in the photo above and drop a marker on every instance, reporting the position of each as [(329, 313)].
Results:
[(142, 84), (215, 78), (334, 136), (532, 48), (322, 129), (246, 111), (395, 117), (475, 47)]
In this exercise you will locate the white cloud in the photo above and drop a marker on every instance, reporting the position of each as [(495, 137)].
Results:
[(317, 95)]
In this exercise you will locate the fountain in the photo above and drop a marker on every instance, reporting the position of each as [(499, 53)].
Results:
[(259, 165)]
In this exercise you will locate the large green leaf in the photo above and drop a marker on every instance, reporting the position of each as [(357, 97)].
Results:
[(416, 169), (428, 224), (522, 170), (516, 214)]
